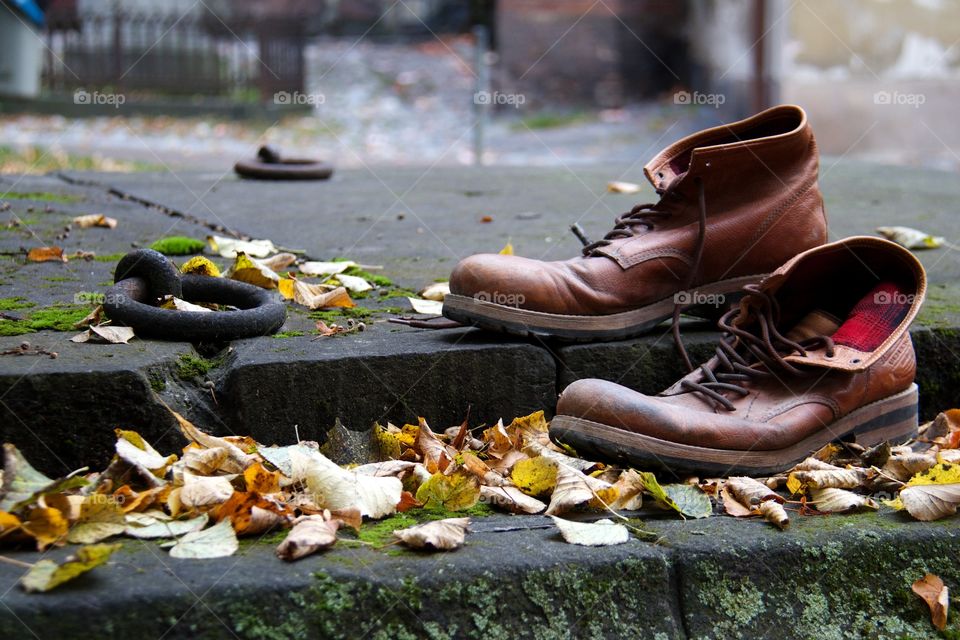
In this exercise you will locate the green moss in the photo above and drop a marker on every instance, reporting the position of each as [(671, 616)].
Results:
[(190, 366), (61, 279), (549, 121), (397, 292), (178, 246), (372, 278), (14, 303), (288, 334), (57, 317), (157, 381), (109, 257), (336, 315), (42, 196)]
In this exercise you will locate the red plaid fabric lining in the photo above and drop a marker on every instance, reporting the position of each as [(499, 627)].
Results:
[(872, 320)]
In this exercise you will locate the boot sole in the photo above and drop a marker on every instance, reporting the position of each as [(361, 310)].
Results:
[(524, 322), (892, 419)]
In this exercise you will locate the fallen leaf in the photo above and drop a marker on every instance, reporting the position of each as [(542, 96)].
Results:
[(933, 494), (47, 574), (94, 220), (931, 590), (826, 479), (601, 533), (315, 296), (629, 486), (437, 456), (45, 525), (911, 238), (336, 488), (237, 460), (230, 247), (94, 317), (308, 535), (690, 500), (252, 272), (250, 513), (206, 462), (511, 498), (733, 506), (100, 518), (455, 492), (278, 261), (507, 249), (20, 480), (622, 187), (46, 254), (426, 307), (200, 266), (177, 304), (436, 291), (133, 449), (354, 283), (325, 268), (774, 513), (205, 491), (831, 500), (150, 527), (218, 541), (261, 480), (446, 535), (575, 488), (535, 476), (105, 334)]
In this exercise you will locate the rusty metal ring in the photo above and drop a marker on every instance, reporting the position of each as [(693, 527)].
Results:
[(131, 301), (154, 267), (287, 169)]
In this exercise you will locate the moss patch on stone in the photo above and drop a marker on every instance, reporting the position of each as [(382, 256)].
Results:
[(57, 317), (42, 196), (288, 334), (109, 257), (190, 366), (178, 246), (16, 302)]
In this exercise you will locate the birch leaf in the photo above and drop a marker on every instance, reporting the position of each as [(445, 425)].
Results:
[(601, 533), (218, 541), (245, 269), (436, 291), (105, 334), (455, 492), (575, 488), (445, 535), (511, 498), (230, 247), (100, 518), (201, 266), (831, 500), (336, 488), (150, 527), (690, 500), (933, 494), (47, 574), (354, 283)]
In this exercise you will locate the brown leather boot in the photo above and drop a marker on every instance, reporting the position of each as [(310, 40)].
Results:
[(817, 352), (736, 201)]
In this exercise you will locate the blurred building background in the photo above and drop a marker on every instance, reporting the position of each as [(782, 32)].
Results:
[(520, 81)]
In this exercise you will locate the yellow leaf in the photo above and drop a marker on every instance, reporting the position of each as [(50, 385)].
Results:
[(535, 476), (100, 517), (47, 574), (260, 480), (94, 220), (451, 493), (46, 525), (939, 474), (201, 266), (247, 270), (507, 249), (8, 523)]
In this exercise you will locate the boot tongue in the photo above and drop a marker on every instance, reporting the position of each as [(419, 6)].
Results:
[(815, 323)]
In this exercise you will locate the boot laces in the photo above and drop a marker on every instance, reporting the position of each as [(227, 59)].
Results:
[(625, 226), (745, 355)]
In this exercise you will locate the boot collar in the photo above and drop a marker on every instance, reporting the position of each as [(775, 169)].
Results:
[(783, 129), (800, 281)]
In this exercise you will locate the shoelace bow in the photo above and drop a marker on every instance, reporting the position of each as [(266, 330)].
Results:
[(639, 216), (758, 353)]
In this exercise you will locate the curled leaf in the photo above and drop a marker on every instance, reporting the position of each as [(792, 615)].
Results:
[(446, 535), (47, 574), (308, 535), (932, 590), (601, 533)]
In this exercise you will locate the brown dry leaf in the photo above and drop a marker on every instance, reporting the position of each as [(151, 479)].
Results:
[(618, 186), (134, 450), (831, 500), (446, 535), (733, 506), (46, 254), (308, 535), (902, 467), (436, 291), (931, 589), (511, 498), (629, 488), (92, 318), (755, 497), (199, 492), (774, 513), (277, 262), (205, 462), (437, 455), (826, 479), (252, 272), (237, 460), (250, 513), (94, 220), (105, 334), (814, 464), (575, 488), (479, 468), (314, 296)]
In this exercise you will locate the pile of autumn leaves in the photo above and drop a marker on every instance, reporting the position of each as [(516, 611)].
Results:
[(199, 502)]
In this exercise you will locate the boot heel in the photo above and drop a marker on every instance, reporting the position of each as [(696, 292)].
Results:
[(893, 419)]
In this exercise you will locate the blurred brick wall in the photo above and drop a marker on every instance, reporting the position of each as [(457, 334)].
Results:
[(571, 52)]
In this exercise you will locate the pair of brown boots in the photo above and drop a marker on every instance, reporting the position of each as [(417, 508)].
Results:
[(816, 347)]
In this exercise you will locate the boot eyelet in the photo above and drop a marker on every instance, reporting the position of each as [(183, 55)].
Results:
[(855, 361)]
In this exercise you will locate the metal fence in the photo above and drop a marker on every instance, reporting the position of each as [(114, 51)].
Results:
[(245, 50)]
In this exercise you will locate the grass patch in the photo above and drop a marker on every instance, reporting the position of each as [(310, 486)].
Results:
[(178, 246), (550, 121), (14, 303), (42, 196), (38, 160), (58, 317)]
